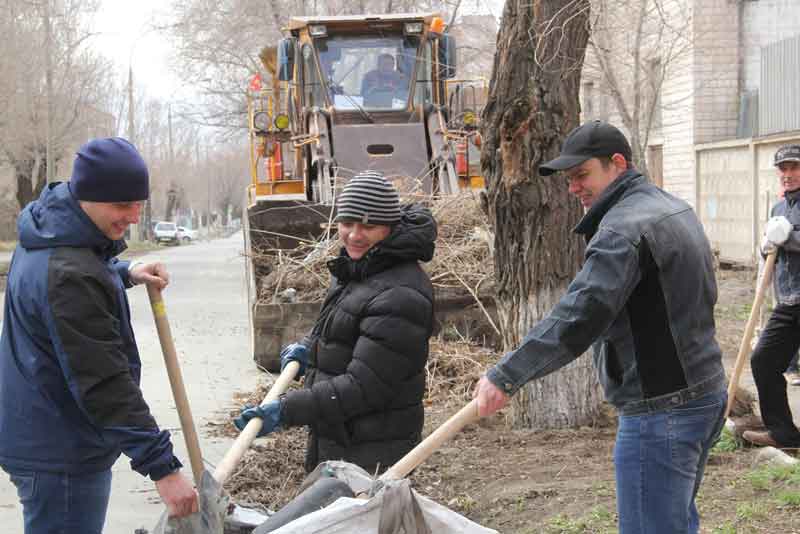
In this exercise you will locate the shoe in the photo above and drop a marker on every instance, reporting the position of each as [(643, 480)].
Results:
[(762, 439)]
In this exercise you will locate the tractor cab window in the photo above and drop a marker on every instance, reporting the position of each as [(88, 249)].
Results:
[(314, 91), (371, 73), (423, 93)]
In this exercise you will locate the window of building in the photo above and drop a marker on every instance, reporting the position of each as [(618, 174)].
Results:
[(587, 102)]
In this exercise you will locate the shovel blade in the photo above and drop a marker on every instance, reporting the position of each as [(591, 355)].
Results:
[(208, 520)]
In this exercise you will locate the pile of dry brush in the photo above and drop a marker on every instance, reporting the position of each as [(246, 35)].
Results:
[(462, 262), (272, 471)]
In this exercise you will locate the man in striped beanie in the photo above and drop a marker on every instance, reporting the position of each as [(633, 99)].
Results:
[(366, 354)]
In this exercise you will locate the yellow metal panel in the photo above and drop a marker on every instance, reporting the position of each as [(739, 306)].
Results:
[(281, 187)]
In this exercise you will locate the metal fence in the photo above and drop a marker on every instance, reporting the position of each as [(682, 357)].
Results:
[(736, 186), (778, 103)]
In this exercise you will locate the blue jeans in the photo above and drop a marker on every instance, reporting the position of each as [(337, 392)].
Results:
[(660, 459), (58, 503)]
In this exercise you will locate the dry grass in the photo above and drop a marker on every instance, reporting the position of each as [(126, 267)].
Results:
[(452, 370), (462, 261), (272, 471)]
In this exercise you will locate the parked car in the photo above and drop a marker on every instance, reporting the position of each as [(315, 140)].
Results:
[(186, 235), (166, 232)]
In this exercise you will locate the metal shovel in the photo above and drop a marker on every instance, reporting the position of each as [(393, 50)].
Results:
[(214, 502)]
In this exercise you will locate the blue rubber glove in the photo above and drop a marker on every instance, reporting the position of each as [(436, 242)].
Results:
[(295, 353), (269, 412)]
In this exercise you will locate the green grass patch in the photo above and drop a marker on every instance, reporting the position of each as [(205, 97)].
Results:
[(789, 498), (727, 442), (743, 312), (727, 528), (598, 521), (752, 511), (768, 477)]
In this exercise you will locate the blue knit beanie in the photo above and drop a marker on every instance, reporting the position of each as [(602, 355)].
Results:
[(109, 170)]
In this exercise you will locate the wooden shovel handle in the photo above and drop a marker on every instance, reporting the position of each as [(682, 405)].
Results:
[(176, 382), (466, 415), (744, 348), (234, 455)]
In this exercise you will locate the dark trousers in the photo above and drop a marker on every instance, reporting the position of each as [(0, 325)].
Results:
[(60, 503), (776, 347)]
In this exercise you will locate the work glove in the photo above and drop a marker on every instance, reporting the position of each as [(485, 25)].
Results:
[(778, 230), (295, 352), (270, 413)]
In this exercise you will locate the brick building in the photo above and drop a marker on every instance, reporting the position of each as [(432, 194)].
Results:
[(708, 53)]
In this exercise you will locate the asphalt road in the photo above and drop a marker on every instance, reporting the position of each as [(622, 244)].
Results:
[(206, 306)]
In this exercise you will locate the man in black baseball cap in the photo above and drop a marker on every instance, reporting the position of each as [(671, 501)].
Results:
[(592, 156), (645, 297), (787, 153), (593, 139)]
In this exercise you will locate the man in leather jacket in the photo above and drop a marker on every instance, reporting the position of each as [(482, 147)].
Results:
[(645, 297)]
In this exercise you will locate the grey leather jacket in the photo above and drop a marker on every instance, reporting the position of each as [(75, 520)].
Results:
[(787, 264), (645, 296)]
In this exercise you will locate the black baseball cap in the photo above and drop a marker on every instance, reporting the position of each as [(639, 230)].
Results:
[(590, 140), (787, 153)]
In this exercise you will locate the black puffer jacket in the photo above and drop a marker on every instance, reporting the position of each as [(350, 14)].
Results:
[(364, 387)]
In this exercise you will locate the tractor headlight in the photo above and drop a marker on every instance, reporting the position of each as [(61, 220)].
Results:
[(469, 118), (261, 121), (317, 30), (412, 28), (282, 121)]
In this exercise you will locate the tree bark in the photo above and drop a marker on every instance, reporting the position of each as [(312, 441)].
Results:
[(533, 103), (30, 175)]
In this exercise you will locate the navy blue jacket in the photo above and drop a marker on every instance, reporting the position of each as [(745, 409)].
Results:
[(69, 367)]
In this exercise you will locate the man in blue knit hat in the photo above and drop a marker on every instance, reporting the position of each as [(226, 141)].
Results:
[(70, 400)]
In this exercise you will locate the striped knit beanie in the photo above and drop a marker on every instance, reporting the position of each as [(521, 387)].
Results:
[(369, 198)]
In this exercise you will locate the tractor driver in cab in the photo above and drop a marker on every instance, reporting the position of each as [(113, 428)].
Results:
[(383, 84)]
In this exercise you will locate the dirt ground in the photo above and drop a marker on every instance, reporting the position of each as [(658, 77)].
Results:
[(556, 481)]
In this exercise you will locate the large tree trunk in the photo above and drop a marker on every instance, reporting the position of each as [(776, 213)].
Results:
[(30, 174), (532, 105)]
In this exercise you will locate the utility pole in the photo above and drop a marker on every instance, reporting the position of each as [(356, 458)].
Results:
[(48, 82), (172, 192), (144, 227), (208, 174)]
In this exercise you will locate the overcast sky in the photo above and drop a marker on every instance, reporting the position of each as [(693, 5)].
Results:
[(125, 35)]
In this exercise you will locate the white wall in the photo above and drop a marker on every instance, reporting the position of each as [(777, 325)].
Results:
[(716, 45), (765, 22), (677, 100)]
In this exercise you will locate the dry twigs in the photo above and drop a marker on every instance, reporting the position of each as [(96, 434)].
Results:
[(452, 370), (272, 471), (462, 259)]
